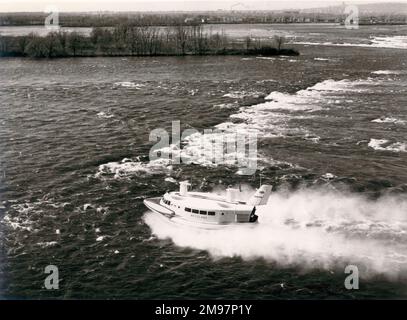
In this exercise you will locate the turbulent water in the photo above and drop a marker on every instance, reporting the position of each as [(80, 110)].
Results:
[(331, 127)]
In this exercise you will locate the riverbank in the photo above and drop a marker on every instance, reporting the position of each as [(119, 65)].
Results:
[(127, 40)]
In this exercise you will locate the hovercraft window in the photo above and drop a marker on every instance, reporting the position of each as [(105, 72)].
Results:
[(195, 211), (211, 213), (203, 212), (188, 209)]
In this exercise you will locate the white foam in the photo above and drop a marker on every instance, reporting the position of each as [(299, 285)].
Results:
[(226, 105), (313, 138), (243, 94), (102, 210), (395, 42), (128, 84), (17, 223), (389, 120), (344, 85), (386, 72), (328, 176), (26, 216), (104, 115), (266, 58), (266, 80), (386, 145), (22, 220), (310, 229), (209, 149), (263, 117), (170, 179), (128, 167), (87, 206), (389, 42), (47, 244), (271, 119)]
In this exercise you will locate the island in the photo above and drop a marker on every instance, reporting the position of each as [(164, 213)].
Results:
[(136, 40)]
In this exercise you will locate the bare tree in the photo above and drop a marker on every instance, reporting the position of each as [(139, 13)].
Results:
[(75, 43), (3, 46), (181, 33), (279, 40), (199, 39), (37, 48), (248, 42), (54, 46)]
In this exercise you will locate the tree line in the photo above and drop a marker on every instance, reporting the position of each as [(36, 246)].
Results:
[(102, 19), (130, 40), (108, 19)]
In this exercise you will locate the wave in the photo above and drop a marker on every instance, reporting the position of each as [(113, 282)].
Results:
[(266, 58), (390, 42), (270, 119), (243, 94), (27, 216), (386, 145), (128, 84), (395, 42), (309, 229), (47, 244), (129, 167), (389, 120), (104, 115), (226, 105), (387, 72)]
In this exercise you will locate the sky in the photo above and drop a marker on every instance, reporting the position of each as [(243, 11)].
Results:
[(168, 5)]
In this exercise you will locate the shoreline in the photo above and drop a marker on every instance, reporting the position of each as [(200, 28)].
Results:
[(282, 52)]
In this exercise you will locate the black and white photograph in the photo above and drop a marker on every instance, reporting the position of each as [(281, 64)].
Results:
[(173, 150)]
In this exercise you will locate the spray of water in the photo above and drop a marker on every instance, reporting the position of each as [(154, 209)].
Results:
[(309, 229)]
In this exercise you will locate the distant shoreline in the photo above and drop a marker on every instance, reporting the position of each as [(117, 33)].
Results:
[(216, 24)]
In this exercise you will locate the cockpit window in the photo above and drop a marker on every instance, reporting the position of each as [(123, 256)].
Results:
[(188, 209)]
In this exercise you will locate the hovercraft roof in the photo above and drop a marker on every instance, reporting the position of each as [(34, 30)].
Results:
[(206, 201)]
